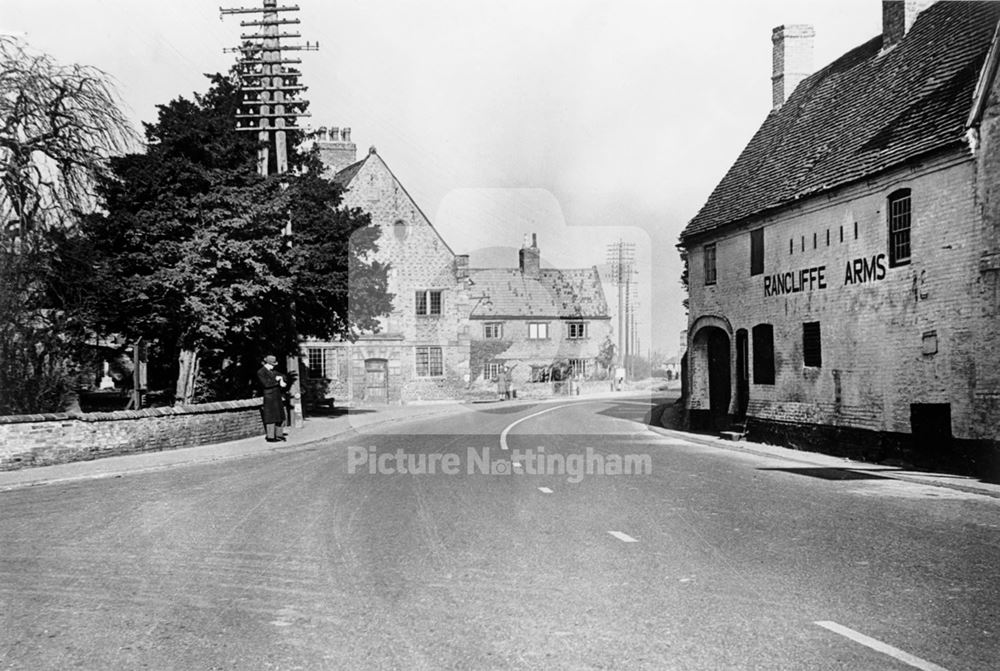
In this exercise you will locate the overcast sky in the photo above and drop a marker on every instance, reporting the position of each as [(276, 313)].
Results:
[(500, 118)]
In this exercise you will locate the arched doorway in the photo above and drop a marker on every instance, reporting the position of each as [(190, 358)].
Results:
[(710, 375)]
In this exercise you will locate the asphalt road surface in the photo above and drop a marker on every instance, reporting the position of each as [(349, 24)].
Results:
[(329, 557)]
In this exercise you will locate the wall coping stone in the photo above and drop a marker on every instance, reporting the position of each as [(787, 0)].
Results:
[(118, 415)]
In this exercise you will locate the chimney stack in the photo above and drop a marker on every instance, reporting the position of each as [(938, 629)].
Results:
[(530, 258), (336, 150), (792, 60), (898, 17)]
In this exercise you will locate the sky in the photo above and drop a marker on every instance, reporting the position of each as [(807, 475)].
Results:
[(583, 121)]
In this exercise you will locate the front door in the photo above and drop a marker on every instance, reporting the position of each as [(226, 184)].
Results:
[(376, 381), (719, 378), (742, 374)]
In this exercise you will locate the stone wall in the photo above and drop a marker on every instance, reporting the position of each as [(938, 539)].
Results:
[(40, 440)]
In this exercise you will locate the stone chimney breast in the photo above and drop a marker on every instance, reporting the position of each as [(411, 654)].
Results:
[(529, 258), (898, 17), (336, 150)]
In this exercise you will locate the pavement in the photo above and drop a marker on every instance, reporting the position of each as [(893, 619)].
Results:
[(322, 428)]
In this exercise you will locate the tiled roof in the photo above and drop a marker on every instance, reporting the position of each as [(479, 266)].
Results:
[(554, 294), (864, 113), (344, 177)]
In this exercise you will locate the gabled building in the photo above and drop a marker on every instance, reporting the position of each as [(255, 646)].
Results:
[(421, 351), (532, 319), (450, 327), (843, 275)]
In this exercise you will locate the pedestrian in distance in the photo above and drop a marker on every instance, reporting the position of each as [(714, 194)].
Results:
[(273, 409), (503, 384)]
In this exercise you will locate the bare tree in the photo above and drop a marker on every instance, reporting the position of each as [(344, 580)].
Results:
[(58, 126)]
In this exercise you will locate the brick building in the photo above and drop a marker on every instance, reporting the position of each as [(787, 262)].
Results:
[(450, 327), (844, 273)]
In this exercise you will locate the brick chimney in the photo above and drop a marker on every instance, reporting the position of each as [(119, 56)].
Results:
[(792, 59), (336, 150), (530, 257), (898, 17)]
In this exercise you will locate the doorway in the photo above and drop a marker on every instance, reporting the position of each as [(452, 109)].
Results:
[(376, 381)]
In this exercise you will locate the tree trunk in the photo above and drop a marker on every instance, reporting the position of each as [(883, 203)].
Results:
[(186, 375)]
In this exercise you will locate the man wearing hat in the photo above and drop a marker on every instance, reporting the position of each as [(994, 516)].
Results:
[(273, 410)]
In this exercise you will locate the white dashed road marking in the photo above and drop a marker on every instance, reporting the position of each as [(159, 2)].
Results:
[(545, 490), (624, 538), (884, 648)]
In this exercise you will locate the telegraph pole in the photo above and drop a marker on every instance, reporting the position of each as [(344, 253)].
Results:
[(621, 258), (271, 107)]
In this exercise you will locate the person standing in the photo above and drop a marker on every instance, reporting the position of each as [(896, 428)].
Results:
[(273, 409), (503, 383)]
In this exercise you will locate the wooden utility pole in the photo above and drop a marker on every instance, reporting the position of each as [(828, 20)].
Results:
[(272, 105), (621, 258)]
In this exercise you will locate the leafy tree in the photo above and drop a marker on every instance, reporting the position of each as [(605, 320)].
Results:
[(58, 125), (192, 241), (606, 354)]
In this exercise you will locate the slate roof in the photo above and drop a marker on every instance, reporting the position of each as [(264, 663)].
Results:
[(864, 113), (554, 294)]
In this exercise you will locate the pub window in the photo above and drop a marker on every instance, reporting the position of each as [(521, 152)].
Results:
[(898, 211), (493, 330), (577, 330), (578, 367), (538, 331), (763, 354), (812, 349), (429, 362), (428, 302), (757, 252), (710, 274)]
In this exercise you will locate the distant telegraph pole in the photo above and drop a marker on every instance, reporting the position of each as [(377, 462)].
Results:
[(272, 105), (621, 258)]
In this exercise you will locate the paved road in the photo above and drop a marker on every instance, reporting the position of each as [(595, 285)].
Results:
[(713, 560)]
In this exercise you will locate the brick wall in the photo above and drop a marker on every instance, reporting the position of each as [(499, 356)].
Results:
[(874, 353), (39, 440)]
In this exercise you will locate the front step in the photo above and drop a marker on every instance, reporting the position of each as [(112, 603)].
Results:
[(737, 432)]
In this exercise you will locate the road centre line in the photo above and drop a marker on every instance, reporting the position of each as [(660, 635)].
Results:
[(545, 490), (503, 434), (624, 538), (879, 646)]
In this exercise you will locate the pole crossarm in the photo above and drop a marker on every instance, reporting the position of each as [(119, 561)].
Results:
[(257, 10), (269, 22)]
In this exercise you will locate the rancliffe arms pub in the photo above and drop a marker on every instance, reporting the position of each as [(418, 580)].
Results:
[(843, 275)]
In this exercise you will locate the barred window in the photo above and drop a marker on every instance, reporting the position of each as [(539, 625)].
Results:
[(429, 362), (578, 367), (710, 274), (577, 330), (898, 212), (812, 349), (428, 302)]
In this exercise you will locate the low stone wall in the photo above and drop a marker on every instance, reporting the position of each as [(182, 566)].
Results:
[(39, 440)]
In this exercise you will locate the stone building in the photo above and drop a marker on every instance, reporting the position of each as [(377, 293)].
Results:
[(421, 351), (450, 327), (544, 324), (844, 273)]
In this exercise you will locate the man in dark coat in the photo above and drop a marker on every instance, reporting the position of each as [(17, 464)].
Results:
[(273, 410)]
